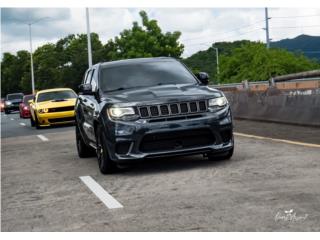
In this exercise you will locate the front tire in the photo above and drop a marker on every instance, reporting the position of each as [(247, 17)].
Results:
[(6, 111), (32, 123), (106, 165), (84, 151), (36, 122)]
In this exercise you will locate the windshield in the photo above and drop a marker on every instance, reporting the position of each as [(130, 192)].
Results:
[(56, 96), (14, 96), (27, 98), (144, 74)]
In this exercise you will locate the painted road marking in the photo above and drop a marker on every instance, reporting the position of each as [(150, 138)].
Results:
[(43, 138), (277, 140), (11, 119), (102, 194), (22, 124)]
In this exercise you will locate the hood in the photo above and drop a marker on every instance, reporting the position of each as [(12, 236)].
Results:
[(164, 93), (53, 104)]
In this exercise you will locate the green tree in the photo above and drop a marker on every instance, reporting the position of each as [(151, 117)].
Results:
[(254, 62), (147, 40), (24, 78), (14, 71), (206, 60), (75, 60), (64, 63), (46, 66)]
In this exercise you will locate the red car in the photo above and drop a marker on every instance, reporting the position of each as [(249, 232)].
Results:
[(24, 106)]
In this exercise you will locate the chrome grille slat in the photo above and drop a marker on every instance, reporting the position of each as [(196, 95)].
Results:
[(165, 110)]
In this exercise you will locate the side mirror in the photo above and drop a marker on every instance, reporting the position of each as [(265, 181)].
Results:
[(30, 101), (85, 89), (203, 77)]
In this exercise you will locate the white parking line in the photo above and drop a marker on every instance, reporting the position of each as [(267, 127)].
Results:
[(277, 140), (11, 119), (43, 138), (102, 194), (22, 124)]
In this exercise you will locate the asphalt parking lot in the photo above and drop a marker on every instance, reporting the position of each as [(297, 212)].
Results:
[(268, 185)]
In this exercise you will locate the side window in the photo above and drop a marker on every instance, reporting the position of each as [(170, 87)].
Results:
[(88, 79), (85, 77), (93, 80)]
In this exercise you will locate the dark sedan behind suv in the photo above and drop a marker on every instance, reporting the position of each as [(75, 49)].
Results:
[(152, 107), (12, 102)]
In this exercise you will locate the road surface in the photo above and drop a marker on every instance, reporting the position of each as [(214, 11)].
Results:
[(268, 185)]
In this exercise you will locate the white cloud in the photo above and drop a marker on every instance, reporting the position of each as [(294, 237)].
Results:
[(199, 27)]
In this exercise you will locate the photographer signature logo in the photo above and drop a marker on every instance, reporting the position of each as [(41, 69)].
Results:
[(290, 216)]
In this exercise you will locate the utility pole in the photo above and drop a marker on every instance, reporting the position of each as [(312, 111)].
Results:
[(89, 39), (31, 60), (267, 28)]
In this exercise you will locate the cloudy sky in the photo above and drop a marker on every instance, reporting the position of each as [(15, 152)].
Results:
[(199, 27)]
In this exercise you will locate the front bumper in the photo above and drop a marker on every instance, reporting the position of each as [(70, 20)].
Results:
[(127, 141), (56, 118), (12, 107)]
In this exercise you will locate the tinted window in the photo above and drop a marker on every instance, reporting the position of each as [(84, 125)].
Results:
[(93, 80), (27, 98), (88, 79), (56, 95), (14, 96), (144, 74)]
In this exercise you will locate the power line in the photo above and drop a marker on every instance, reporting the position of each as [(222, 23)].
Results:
[(222, 39), (301, 16), (224, 32), (253, 24), (298, 26)]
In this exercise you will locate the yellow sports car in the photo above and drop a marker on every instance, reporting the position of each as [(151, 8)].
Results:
[(53, 106)]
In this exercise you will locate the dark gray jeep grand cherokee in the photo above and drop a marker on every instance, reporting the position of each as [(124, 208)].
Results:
[(151, 107)]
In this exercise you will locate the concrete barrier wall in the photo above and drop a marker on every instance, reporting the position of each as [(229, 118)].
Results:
[(263, 86), (294, 107)]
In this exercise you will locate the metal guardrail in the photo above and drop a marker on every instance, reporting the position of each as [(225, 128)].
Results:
[(269, 83)]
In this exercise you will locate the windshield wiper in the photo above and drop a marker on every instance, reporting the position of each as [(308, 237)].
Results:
[(58, 100), (122, 88), (117, 89)]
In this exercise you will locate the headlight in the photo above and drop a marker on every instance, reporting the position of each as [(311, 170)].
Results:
[(218, 102), (8, 102), (43, 110), (119, 112)]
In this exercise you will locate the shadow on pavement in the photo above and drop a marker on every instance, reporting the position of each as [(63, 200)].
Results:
[(170, 164)]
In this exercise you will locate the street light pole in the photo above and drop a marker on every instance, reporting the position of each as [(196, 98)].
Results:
[(217, 60), (31, 57), (31, 60), (89, 39)]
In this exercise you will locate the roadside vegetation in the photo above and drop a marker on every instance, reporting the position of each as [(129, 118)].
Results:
[(63, 64)]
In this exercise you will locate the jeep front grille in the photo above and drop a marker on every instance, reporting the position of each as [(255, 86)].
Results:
[(172, 109)]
